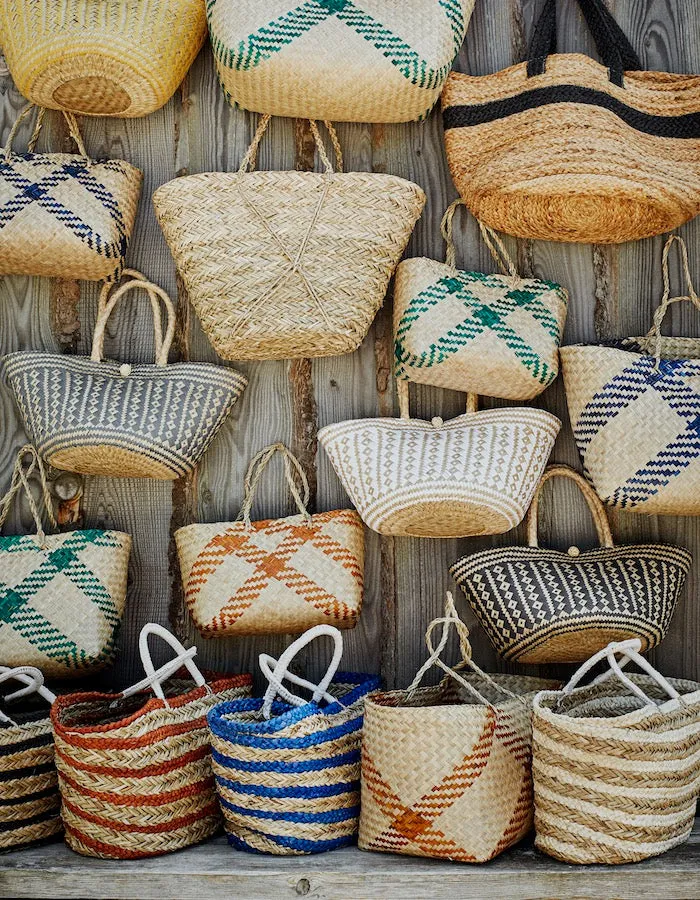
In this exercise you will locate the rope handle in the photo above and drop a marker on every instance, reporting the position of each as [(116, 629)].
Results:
[(20, 479), (250, 159), (155, 677), (106, 304), (600, 517), (276, 671), (31, 677), (472, 404), (71, 121), (495, 245), (255, 470), (654, 333)]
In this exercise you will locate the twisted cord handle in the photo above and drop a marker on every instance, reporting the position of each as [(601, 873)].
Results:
[(250, 159), (654, 334), (71, 121), (256, 468), (20, 479)]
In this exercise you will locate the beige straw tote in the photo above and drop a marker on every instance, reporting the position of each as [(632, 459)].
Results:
[(282, 265), (562, 148), (348, 60), (101, 57), (278, 575), (616, 764), (446, 769), (64, 215), (496, 335), (643, 395)]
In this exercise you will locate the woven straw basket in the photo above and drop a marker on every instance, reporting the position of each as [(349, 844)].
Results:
[(562, 148), (135, 773), (103, 418), (288, 773), (545, 606), (642, 394), (30, 802), (465, 793), (314, 253), (278, 575), (63, 595), (101, 57), (474, 474), (63, 215), (348, 60), (496, 335), (616, 764)]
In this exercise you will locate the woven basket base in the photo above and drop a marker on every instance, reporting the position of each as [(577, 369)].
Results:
[(445, 518), (101, 459), (92, 95), (577, 645)]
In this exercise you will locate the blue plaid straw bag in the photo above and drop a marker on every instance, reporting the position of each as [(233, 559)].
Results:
[(287, 770)]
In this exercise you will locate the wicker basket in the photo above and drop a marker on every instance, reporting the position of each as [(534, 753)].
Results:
[(496, 335), (314, 253), (63, 595), (562, 148), (63, 215), (135, 773), (103, 418), (101, 57), (545, 606), (288, 773), (347, 61), (30, 802), (616, 764), (275, 576)]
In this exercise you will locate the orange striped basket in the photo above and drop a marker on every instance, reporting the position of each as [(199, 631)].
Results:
[(135, 771)]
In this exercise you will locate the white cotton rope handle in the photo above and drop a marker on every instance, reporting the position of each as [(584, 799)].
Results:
[(155, 677), (277, 674), (33, 679)]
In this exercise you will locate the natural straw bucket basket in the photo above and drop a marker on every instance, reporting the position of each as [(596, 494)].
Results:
[(546, 606), (101, 57), (496, 335), (135, 771), (562, 148), (616, 764), (277, 575), (312, 253)]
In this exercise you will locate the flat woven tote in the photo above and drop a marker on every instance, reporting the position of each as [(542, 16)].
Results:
[(135, 771), (545, 606), (62, 596), (314, 252), (275, 576), (562, 148), (616, 764), (446, 769), (288, 773), (99, 417), (643, 395), (30, 802), (101, 57), (474, 474), (358, 61), (64, 215), (496, 335)]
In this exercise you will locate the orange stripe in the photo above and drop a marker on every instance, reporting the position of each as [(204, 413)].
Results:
[(172, 825), (206, 784), (145, 772)]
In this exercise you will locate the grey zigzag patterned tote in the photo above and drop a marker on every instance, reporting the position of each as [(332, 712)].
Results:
[(103, 418), (545, 606)]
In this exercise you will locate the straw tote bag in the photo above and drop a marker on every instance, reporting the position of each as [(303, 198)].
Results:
[(474, 474), (616, 764), (288, 770), (313, 256), (446, 769), (64, 215), (562, 148), (62, 596), (102, 418), (496, 335), (134, 770), (101, 57), (643, 395), (275, 576), (358, 61), (30, 802), (545, 606)]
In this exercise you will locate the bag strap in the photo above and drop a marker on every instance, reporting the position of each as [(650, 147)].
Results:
[(106, 304), (32, 678), (71, 122), (600, 517), (496, 246), (249, 161), (20, 479), (654, 334), (255, 470), (472, 404), (155, 677)]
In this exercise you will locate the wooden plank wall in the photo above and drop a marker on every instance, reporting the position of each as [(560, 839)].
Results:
[(613, 291)]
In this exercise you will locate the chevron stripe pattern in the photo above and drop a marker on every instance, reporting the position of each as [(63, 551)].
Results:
[(279, 575)]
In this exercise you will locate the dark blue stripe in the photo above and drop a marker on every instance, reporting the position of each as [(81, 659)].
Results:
[(306, 765), (304, 792), (324, 818), (302, 846)]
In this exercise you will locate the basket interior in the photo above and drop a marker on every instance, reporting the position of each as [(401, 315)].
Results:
[(105, 711)]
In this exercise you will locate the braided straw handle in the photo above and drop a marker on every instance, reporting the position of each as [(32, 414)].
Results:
[(155, 677), (255, 470), (249, 161), (654, 333), (71, 121), (496, 246), (600, 517), (20, 479), (472, 404), (106, 304)]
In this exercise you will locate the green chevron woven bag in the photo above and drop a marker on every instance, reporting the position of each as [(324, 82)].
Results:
[(62, 596), (493, 335)]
